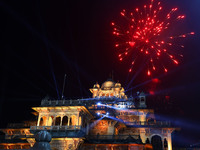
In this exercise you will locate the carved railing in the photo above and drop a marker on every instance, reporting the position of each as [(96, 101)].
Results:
[(111, 137), (55, 127), (61, 131), (145, 123), (80, 102)]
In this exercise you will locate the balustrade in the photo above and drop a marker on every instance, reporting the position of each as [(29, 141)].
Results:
[(55, 127)]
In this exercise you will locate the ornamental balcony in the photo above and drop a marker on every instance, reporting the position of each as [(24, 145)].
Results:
[(155, 124), (103, 139), (83, 102), (61, 131)]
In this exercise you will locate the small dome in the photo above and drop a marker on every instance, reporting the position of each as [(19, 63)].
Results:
[(142, 94), (108, 84), (96, 86), (43, 136), (42, 139), (117, 85)]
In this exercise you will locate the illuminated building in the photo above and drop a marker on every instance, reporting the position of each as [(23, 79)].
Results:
[(107, 121)]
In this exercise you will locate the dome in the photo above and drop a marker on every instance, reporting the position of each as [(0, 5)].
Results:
[(142, 94), (108, 84), (117, 85), (43, 136), (42, 139), (96, 86)]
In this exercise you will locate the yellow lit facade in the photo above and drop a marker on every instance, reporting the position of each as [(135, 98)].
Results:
[(107, 121)]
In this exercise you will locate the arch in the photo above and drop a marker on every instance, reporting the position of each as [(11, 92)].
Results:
[(165, 143), (156, 142), (80, 120), (65, 121), (43, 121), (147, 141), (98, 134), (142, 99), (70, 121), (58, 121)]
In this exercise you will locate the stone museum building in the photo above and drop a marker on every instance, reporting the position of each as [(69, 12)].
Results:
[(109, 120)]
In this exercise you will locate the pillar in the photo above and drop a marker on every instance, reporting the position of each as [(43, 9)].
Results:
[(111, 147), (39, 117), (77, 122), (46, 121), (142, 134), (142, 117), (169, 140), (61, 119), (68, 120), (54, 120), (95, 147)]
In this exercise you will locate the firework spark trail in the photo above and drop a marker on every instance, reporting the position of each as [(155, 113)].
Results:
[(143, 36)]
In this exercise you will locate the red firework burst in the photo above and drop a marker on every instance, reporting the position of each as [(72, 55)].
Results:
[(145, 34)]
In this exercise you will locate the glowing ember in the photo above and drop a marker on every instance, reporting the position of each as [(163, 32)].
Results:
[(131, 44), (143, 35), (156, 80), (148, 73), (151, 92)]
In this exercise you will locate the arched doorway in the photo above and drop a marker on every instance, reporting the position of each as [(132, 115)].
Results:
[(156, 142), (165, 144), (43, 121), (65, 121), (57, 121)]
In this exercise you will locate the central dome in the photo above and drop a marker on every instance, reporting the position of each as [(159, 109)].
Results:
[(108, 84)]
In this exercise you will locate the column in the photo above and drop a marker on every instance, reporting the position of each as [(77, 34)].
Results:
[(111, 147), (142, 117), (95, 147), (47, 124), (142, 134), (38, 123), (68, 120), (54, 120), (46, 121), (169, 140), (77, 119), (61, 119)]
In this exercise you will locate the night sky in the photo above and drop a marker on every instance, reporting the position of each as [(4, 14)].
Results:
[(40, 41)]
